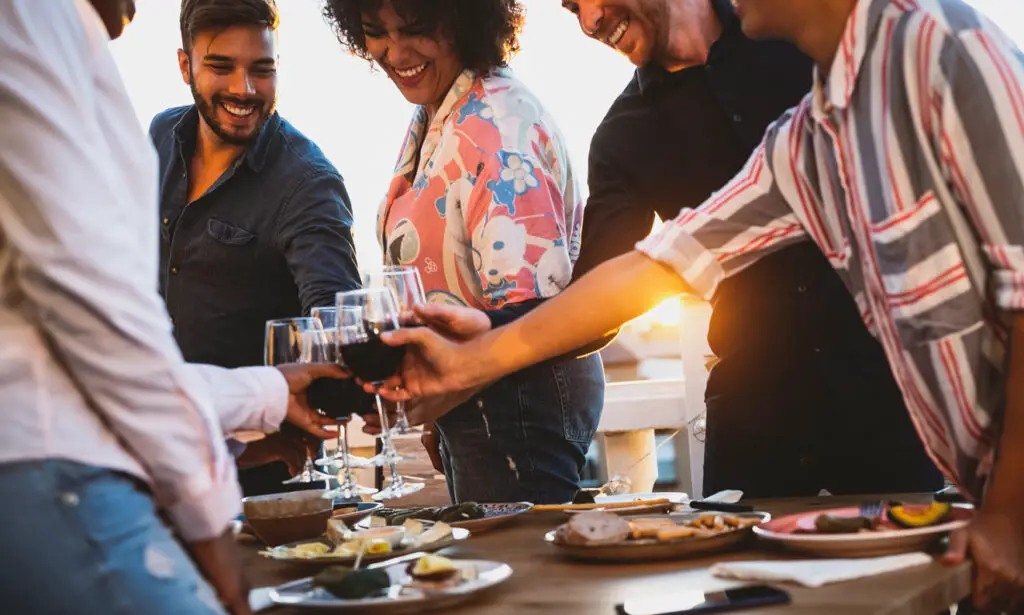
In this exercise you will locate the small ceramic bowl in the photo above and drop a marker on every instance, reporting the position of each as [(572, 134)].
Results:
[(281, 518)]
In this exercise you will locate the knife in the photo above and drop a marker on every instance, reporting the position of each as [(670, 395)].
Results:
[(720, 506)]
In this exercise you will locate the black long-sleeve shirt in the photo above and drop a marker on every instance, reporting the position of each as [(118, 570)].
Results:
[(270, 239)]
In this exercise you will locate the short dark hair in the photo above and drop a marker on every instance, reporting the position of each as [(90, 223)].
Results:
[(205, 15), (484, 33)]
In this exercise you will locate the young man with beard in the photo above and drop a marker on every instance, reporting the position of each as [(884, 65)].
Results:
[(794, 403), (111, 446), (905, 165), (255, 221)]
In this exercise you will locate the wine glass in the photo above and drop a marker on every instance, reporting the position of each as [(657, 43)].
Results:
[(336, 398), (363, 315), (297, 340), (407, 285)]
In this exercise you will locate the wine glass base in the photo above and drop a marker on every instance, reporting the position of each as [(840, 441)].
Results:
[(335, 462), (397, 491), (313, 477), (350, 492)]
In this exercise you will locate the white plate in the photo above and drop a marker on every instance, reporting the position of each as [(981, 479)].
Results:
[(863, 544), (301, 593)]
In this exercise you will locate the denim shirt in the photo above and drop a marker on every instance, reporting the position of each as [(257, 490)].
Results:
[(271, 238)]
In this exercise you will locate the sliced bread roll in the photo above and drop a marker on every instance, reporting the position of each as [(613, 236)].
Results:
[(594, 528)]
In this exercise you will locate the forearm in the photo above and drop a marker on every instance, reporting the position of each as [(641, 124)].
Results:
[(246, 398), (1006, 488), (600, 302)]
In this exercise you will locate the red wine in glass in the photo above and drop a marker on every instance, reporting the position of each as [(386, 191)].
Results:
[(369, 358)]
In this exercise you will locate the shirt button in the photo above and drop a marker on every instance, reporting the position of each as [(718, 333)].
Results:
[(174, 270), (167, 220), (69, 499), (817, 351), (801, 289), (737, 118)]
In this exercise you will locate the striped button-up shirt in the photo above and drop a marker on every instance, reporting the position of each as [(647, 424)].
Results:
[(904, 164)]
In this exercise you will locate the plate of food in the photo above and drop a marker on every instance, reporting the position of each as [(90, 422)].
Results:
[(427, 583), (871, 530), (342, 545), (468, 515), (605, 536)]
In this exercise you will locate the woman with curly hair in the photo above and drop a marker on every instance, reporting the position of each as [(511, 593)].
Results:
[(484, 202)]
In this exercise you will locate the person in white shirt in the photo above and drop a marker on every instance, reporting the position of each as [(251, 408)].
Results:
[(112, 448)]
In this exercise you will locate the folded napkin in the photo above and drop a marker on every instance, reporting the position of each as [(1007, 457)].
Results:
[(818, 572)]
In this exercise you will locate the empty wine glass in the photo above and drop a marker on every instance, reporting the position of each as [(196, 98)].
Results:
[(334, 392), (363, 315), (297, 340), (407, 286)]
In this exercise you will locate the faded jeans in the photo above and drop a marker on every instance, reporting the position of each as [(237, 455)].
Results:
[(80, 540), (524, 438)]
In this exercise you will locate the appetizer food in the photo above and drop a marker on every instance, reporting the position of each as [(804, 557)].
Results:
[(594, 528), (352, 584), (600, 528), (433, 572), (835, 524), (922, 515), (466, 511)]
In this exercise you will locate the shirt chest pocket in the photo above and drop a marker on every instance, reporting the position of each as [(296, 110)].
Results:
[(229, 254), (927, 289), (228, 235)]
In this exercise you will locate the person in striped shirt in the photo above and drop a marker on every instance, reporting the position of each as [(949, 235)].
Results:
[(905, 165)]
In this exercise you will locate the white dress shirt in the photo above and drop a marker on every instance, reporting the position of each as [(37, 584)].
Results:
[(89, 370)]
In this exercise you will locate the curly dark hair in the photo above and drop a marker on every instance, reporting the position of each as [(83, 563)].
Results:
[(484, 33)]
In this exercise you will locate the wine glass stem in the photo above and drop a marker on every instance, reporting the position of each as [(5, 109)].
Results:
[(343, 443), (388, 449), (401, 420)]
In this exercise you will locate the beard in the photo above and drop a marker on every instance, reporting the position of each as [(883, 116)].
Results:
[(208, 110)]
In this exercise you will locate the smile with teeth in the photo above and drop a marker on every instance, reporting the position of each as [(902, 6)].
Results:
[(239, 110), (617, 34), (409, 72)]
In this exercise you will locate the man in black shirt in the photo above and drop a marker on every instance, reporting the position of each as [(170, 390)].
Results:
[(255, 221), (801, 398)]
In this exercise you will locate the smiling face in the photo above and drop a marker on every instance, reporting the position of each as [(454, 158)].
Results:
[(639, 29), (421, 64), (233, 77)]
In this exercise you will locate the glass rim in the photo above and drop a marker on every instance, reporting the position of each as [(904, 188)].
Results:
[(296, 319)]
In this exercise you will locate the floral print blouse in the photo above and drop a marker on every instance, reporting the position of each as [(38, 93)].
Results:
[(484, 201)]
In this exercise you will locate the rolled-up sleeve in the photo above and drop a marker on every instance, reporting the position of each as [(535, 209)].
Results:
[(82, 255), (315, 232), (982, 150), (741, 223)]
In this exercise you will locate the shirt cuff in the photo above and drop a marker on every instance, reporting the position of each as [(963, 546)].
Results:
[(678, 249), (274, 396), (1009, 290), (207, 514)]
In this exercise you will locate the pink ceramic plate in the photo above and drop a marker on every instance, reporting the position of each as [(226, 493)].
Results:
[(790, 531)]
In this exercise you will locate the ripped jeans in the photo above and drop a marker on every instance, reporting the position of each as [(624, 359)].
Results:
[(81, 540), (524, 438)]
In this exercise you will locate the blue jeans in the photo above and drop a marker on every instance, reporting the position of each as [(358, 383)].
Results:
[(78, 539), (524, 438)]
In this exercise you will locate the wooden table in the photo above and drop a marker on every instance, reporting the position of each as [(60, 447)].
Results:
[(545, 582)]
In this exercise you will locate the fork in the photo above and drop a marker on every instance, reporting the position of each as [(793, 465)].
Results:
[(872, 511)]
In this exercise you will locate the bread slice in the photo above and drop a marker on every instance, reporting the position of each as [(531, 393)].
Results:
[(594, 528)]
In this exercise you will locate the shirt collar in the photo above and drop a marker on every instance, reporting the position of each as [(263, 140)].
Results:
[(255, 155), (861, 27), (651, 74)]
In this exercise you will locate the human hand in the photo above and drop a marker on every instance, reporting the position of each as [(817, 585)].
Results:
[(421, 410), (299, 377), (217, 560), (995, 541), (282, 446), (432, 365), (432, 444), (454, 322)]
